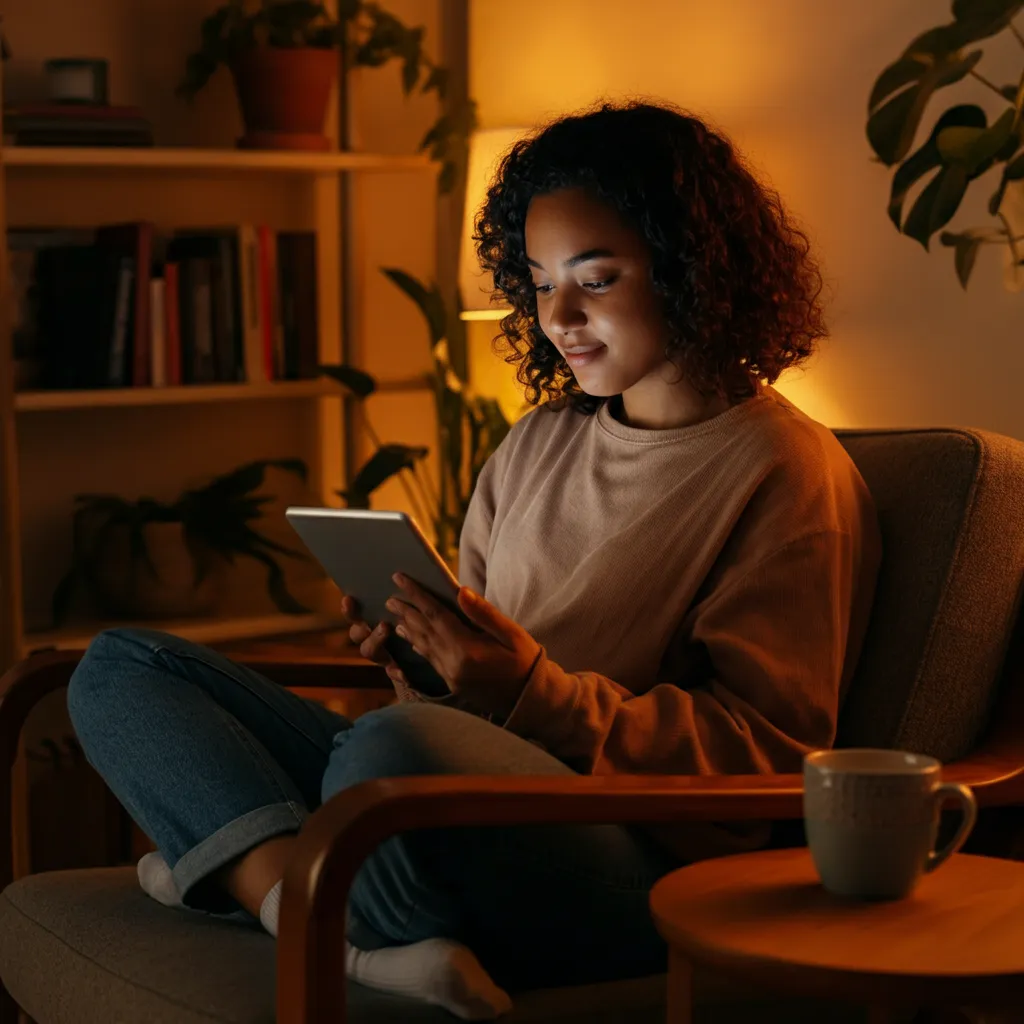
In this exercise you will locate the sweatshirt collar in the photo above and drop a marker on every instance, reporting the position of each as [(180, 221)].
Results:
[(705, 428)]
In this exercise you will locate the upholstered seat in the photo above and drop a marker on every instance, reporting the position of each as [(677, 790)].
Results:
[(112, 954)]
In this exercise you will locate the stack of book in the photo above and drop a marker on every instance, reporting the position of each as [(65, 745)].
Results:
[(120, 306), (76, 124)]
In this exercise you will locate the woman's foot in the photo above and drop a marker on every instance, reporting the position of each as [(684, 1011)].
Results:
[(438, 971), (157, 881)]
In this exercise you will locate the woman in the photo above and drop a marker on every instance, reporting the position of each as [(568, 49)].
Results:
[(668, 565)]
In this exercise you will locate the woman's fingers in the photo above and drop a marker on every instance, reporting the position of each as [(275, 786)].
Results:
[(371, 644)]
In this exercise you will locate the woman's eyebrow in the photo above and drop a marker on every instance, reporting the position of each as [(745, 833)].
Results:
[(580, 257)]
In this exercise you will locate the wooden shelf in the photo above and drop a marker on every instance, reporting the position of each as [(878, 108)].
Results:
[(484, 314), (78, 158), (203, 631), (41, 401)]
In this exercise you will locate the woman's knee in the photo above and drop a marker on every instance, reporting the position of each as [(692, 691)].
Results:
[(403, 739), (104, 669)]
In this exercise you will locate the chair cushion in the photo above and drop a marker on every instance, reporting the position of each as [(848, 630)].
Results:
[(951, 509), (89, 947)]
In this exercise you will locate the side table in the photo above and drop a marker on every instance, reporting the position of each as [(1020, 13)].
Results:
[(957, 940)]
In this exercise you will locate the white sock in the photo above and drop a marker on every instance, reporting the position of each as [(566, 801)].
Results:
[(157, 881), (270, 909), (438, 971)]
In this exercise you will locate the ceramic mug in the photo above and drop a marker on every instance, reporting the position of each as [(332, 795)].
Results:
[(872, 819)]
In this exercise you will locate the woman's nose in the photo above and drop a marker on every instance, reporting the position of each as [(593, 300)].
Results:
[(567, 313)]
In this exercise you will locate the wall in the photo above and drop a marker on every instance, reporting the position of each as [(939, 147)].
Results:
[(789, 81)]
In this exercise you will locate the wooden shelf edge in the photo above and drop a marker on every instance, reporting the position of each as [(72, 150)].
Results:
[(173, 158), (41, 401), (204, 631)]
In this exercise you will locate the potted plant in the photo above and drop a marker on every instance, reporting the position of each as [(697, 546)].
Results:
[(145, 559), (283, 56), (963, 146), (470, 428)]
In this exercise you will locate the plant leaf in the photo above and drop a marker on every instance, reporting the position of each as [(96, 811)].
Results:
[(927, 157), (276, 586), (966, 245), (1015, 170), (979, 19), (937, 204), (935, 43), (955, 144), (898, 74), (437, 79), (360, 383), (410, 74), (892, 126), (1001, 138), (385, 462), (429, 300)]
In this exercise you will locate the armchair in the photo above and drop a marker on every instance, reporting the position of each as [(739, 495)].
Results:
[(942, 673)]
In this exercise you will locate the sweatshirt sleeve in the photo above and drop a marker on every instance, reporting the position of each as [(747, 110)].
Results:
[(761, 686)]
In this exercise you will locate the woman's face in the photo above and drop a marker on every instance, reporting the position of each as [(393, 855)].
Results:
[(596, 300)]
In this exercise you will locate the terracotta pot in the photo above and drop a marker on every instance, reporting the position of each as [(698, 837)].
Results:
[(128, 588), (283, 93)]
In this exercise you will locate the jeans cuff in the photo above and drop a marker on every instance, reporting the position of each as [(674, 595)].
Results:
[(231, 841)]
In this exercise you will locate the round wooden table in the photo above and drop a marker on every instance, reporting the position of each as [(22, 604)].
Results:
[(957, 940)]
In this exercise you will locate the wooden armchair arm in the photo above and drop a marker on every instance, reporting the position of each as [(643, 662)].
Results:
[(345, 830)]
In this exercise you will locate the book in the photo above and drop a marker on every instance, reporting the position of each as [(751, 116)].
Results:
[(135, 240), (56, 124), (79, 315), (158, 332), (23, 248), (270, 303), (172, 329), (251, 305), (118, 375), (299, 313), (78, 112), (219, 247)]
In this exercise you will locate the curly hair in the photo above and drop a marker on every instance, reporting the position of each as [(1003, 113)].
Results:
[(740, 290)]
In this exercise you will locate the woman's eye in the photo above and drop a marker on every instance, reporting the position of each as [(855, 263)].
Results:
[(543, 289), (598, 285)]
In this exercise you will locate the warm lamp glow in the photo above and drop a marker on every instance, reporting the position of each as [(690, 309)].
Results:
[(486, 148)]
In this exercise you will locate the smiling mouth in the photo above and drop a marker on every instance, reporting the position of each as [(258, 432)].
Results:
[(581, 355)]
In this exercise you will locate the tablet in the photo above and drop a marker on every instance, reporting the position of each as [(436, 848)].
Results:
[(361, 550)]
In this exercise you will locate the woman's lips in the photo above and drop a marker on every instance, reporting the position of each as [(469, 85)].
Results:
[(584, 354)]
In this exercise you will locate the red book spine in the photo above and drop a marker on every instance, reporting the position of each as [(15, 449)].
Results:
[(173, 329)]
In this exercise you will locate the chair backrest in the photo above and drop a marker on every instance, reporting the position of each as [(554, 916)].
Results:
[(951, 507)]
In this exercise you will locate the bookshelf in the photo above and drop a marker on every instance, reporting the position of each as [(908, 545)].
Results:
[(135, 441), (230, 161)]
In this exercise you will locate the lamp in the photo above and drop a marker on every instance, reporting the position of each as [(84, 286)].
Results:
[(486, 148)]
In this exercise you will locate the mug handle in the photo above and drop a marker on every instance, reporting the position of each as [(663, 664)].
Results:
[(969, 812)]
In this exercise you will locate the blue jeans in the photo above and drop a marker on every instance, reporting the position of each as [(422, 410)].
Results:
[(211, 759)]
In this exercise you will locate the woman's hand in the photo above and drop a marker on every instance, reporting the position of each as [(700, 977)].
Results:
[(369, 641), (487, 666)]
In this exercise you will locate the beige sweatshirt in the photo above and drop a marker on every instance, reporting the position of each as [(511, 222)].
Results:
[(701, 593)]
